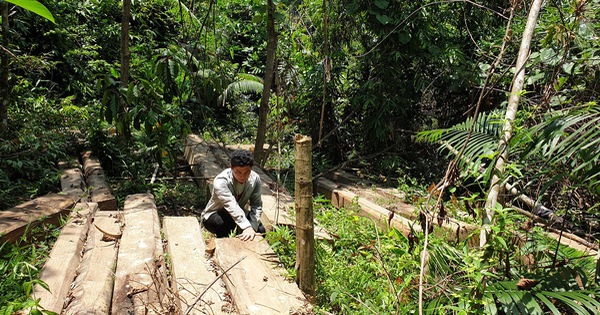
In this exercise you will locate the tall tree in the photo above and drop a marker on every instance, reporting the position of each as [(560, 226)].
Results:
[(122, 117), (496, 184), (4, 94), (263, 111)]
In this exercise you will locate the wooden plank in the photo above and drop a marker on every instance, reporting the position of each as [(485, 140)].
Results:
[(341, 197), (202, 162), (16, 221), (100, 190), (59, 270), (73, 184), (139, 277), (572, 243), (274, 212), (256, 283), (191, 271), (93, 287)]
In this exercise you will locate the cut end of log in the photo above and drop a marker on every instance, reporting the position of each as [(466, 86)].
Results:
[(302, 138)]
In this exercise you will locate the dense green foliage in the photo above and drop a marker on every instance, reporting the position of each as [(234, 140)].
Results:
[(37, 139), (366, 269)]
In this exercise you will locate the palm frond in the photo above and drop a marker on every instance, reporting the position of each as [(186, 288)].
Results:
[(572, 288), (246, 83), (505, 297), (566, 143), (569, 139), (482, 144)]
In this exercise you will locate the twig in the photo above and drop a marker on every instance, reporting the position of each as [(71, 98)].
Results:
[(191, 307), (362, 303), (114, 236)]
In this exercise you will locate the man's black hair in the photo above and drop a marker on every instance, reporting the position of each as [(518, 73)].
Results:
[(242, 158)]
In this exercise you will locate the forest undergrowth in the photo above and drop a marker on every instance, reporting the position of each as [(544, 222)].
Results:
[(367, 268)]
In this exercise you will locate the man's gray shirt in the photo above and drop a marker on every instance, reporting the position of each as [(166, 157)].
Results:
[(224, 197)]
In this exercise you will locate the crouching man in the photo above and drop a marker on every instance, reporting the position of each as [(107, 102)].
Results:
[(233, 188)]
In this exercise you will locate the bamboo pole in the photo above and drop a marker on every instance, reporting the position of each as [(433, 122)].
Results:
[(305, 244)]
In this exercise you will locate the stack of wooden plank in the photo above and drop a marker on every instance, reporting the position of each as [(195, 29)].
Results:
[(112, 261)]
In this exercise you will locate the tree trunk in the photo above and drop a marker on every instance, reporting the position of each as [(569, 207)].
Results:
[(122, 117), (511, 111), (326, 72), (4, 92), (305, 231), (263, 111)]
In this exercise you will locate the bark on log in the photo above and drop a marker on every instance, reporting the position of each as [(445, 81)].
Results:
[(59, 270), (140, 275), (191, 271), (305, 232), (93, 287), (100, 192)]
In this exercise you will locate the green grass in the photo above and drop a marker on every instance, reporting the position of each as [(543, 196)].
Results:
[(366, 270), (362, 271), (20, 265)]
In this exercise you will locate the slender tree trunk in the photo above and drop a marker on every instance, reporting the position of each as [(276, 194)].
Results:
[(263, 111), (123, 118), (326, 73), (511, 111), (4, 90), (305, 229)]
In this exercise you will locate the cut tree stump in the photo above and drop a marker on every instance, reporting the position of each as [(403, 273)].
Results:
[(92, 289), (256, 283), (100, 192), (16, 221), (140, 276), (190, 269), (59, 270)]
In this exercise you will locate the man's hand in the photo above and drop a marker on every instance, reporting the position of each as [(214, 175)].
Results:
[(248, 234)]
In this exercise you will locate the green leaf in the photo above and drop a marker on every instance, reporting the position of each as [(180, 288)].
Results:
[(35, 7), (569, 300), (548, 303), (258, 18), (404, 37), (598, 264), (548, 55), (384, 19), (382, 4)]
